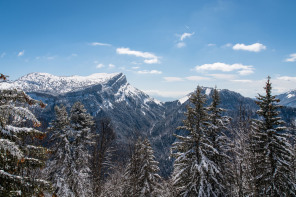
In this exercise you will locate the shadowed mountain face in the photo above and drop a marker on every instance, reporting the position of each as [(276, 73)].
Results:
[(132, 112), (288, 99)]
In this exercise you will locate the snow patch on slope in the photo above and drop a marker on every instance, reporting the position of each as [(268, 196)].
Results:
[(290, 95), (208, 91), (184, 99)]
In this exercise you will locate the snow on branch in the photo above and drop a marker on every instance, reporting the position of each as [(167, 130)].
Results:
[(11, 147)]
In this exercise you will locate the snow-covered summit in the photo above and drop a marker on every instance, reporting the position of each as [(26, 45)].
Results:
[(113, 84), (51, 84)]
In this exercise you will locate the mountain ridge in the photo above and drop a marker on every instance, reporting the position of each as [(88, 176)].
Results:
[(132, 112)]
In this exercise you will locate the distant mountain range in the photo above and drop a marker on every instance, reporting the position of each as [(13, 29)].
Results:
[(131, 111)]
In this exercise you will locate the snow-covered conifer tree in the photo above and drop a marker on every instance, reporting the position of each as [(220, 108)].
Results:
[(141, 173), (60, 168), (149, 180), (194, 172), (101, 161), (132, 172), (221, 144), (272, 161), (81, 123), (18, 157), (240, 164)]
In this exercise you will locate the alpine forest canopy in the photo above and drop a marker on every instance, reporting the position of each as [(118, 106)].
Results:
[(217, 148)]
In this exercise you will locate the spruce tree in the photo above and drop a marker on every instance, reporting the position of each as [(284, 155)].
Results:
[(149, 180), (194, 170), (81, 122), (142, 179), (60, 168), (272, 161), (18, 154), (221, 144), (102, 151), (132, 172), (240, 164)]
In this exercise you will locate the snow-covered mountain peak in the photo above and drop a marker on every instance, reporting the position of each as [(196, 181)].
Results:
[(115, 85), (51, 84)]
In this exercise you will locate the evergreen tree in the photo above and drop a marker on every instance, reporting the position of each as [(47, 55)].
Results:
[(149, 179), (194, 170), (60, 168), (240, 164), (141, 173), (221, 144), (101, 163), (81, 123), (272, 161), (18, 156), (132, 174)]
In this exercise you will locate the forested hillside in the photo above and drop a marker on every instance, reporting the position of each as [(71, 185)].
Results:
[(99, 136)]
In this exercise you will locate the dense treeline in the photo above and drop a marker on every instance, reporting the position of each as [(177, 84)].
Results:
[(214, 155)]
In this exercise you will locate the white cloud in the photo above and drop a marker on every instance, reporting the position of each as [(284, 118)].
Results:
[(100, 66), (21, 53), (99, 44), (287, 78), (181, 44), (246, 71), (222, 76), (211, 45), (111, 66), (242, 69), (151, 61), (197, 78), (135, 67), (292, 58), (150, 58), (186, 35), (173, 79), (149, 72), (172, 94), (2, 55), (257, 47)]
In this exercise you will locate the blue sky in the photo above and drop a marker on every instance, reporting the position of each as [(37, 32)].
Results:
[(165, 48)]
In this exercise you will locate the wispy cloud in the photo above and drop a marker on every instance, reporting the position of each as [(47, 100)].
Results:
[(181, 44), (292, 58), (135, 67), (197, 78), (227, 45), (99, 44), (2, 55), (50, 57), (157, 72), (186, 35), (21, 53), (240, 68), (111, 66), (100, 66), (257, 47), (149, 58), (172, 79), (211, 45), (223, 76), (287, 78)]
